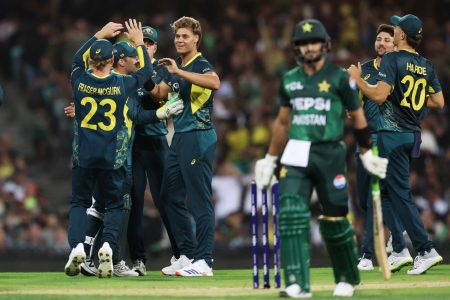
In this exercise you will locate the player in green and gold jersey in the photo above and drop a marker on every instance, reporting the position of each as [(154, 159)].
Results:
[(384, 43), (150, 152), (403, 81), (188, 172), (314, 99), (101, 138)]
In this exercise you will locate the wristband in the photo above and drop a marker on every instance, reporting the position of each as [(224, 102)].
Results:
[(363, 137)]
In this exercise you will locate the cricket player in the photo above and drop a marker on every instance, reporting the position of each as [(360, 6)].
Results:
[(188, 172), (384, 43), (150, 152), (314, 98), (101, 138), (403, 81), (125, 63)]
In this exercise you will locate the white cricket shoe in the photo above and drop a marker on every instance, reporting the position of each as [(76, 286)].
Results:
[(424, 262), (76, 258), (178, 264), (198, 268), (344, 289), (105, 268), (88, 268), (294, 291), (398, 260), (139, 267), (122, 270), (365, 264)]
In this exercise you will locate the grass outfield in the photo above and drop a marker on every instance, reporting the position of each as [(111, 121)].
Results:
[(226, 284)]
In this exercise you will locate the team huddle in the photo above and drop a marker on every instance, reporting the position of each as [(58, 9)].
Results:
[(120, 111), (123, 98)]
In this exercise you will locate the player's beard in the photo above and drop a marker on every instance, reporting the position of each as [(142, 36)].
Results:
[(312, 56), (380, 51)]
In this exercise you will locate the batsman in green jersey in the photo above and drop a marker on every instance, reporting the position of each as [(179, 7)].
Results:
[(403, 81), (310, 126)]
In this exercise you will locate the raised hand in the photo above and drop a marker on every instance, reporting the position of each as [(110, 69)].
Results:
[(110, 30), (134, 32)]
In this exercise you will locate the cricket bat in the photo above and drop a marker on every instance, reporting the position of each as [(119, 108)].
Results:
[(378, 228)]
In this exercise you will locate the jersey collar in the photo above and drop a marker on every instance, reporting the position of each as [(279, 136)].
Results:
[(96, 76), (190, 61), (375, 64)]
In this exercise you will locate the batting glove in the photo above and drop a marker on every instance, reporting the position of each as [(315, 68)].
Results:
[(264, 170), (170, 109), (375, 165)]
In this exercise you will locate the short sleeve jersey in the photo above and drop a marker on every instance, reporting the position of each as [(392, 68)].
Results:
[(198, 101), (102, 128), (412, 77), (318, 102)]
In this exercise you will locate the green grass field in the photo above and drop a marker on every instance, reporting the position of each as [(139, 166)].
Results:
[(226, 284)]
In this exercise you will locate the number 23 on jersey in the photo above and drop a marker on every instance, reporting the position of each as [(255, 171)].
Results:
[(93, 109)]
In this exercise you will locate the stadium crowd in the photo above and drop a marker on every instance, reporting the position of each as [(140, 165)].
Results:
[(248, 42)]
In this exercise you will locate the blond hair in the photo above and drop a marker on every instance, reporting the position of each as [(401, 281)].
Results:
[(189, 23), (98, 64)]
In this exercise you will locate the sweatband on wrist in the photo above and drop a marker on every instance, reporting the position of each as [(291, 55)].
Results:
[(363, 137)]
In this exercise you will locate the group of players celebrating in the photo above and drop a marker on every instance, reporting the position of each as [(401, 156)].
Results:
[(122, 95)]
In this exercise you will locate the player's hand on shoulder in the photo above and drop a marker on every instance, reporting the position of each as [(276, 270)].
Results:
[(374, 164), (170, 64), (110, 30), (134, 32)]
